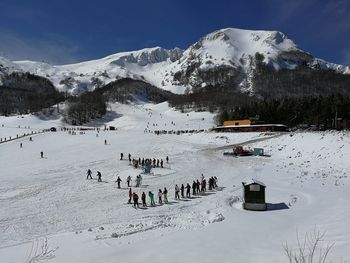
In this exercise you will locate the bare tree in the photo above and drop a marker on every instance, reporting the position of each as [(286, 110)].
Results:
[(308, 250)]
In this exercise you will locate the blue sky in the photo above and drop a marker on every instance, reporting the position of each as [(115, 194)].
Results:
[(61, 31)]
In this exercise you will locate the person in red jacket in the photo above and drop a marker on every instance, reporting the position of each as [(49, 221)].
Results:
[(135, 197)]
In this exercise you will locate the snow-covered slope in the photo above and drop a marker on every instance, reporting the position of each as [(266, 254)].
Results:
[(85, 75), (226, 55), (50, 213), (7, 67)]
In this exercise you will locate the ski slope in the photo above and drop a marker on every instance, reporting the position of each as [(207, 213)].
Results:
[(50, 213)]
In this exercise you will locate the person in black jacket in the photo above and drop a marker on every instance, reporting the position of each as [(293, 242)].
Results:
[(118, 181), (182, 191), (188, 191), (88, 174), (194, 188), (143, 198), (99, 176)]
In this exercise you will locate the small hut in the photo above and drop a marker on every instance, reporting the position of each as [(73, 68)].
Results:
[(254, 195)]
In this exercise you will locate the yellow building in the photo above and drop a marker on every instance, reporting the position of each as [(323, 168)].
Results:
[(237, 122)]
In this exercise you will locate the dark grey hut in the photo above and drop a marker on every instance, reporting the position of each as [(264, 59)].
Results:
[(254, 195)]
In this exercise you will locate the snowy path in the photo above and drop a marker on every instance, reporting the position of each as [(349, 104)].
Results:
[(261, 139)]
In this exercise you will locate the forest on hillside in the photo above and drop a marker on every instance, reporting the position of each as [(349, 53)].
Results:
[(24, 93), (92, 105), (320, 111)]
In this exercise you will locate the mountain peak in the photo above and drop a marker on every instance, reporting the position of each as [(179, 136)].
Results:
[(252, 40)]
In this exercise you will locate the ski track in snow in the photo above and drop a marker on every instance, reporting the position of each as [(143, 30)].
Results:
[(47, 205)]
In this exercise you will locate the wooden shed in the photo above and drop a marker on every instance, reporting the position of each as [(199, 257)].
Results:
[(254, 195)]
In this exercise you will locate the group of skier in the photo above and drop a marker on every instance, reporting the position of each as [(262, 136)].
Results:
[(138, 162), (98, 174), (198, 186), (138, 180), (162, 198)]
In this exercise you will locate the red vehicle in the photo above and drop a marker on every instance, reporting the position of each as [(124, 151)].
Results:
[(240, 151)]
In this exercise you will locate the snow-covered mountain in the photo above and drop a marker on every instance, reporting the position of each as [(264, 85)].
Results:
[(7, 67), (224, 57)]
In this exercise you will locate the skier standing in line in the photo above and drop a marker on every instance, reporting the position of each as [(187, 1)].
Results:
[(99, 176), (130, 196), (118, 181), (198, 186), (160, 197), (135, 197), (41, 154), (105, 142), (128, 180), (161, 163), (177, 190), (203, 186), (151, 197), (143, 198), (20, 145), (188, 191), (121, 156), (129, 158), (88, 174), (194, 188), (167, 159), (182, 191), (165, 194)]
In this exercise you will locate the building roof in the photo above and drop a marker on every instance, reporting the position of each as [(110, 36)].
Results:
[(254, 181), (254, 125)]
